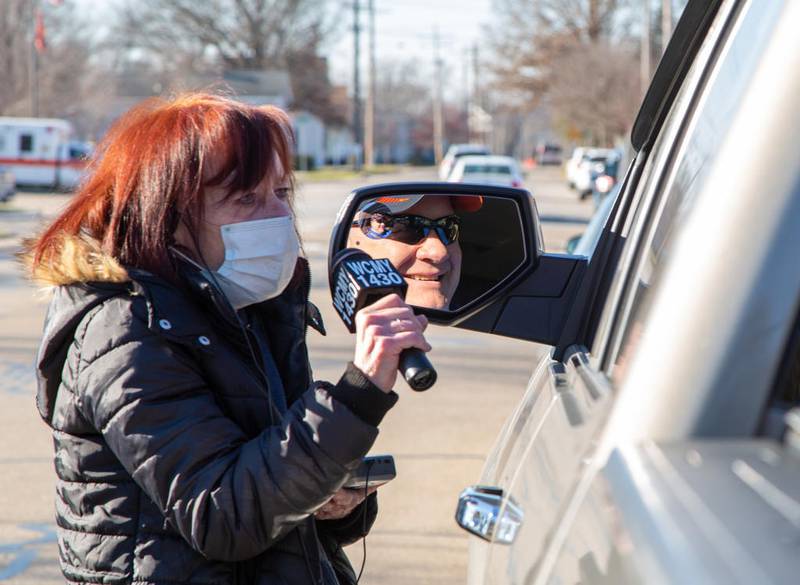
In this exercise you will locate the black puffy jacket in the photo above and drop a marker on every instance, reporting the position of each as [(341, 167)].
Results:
[(169, 469)]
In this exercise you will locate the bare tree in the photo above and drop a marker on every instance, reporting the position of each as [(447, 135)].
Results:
[(585, 21), (312, 88), (400, 89), (239, 34), (529, 34), (402, 104), (16, 21), (572, 55), (63, 64), (594, 91)]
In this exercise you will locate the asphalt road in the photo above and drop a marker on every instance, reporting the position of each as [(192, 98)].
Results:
[(439, 438)]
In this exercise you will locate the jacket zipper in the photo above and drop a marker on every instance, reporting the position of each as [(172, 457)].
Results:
[(307, 294)]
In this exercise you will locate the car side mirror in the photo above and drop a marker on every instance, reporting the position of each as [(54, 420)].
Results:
[(471, 255)]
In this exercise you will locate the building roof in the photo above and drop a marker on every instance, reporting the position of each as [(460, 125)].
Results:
[(254, 86), (249, 85)]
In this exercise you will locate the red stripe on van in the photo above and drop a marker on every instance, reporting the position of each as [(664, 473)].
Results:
[(41, 162)]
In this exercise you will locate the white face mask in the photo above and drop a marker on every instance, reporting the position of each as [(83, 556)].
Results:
[(260, 257)]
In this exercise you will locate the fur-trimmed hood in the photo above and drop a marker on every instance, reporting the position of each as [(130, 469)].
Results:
[(77, 259), (81, 277)]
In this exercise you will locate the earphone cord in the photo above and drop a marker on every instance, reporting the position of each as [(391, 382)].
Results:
[(364, 523), (314, 578), (242, 328)]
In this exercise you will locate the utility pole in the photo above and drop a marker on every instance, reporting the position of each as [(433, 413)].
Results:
[(438, 116), (33, 64), (357, 133), (476, 88), (466, 89), (369, 121), (477, 100), (644, 60), (666, 23)]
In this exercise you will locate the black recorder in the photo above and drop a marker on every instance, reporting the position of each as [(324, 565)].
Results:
[(373, 471), (358, 280)]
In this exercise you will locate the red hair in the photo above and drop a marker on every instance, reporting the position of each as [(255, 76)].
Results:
[(148, 174)]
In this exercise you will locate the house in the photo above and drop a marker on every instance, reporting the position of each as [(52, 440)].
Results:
[(309, 134), (254, 87), (315, 145)]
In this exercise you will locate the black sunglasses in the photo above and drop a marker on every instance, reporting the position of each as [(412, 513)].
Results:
[(409, 229)]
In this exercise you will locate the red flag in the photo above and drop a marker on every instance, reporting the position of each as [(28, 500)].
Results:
[(38, 38)]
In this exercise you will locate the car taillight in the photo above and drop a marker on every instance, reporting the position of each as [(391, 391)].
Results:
[(516, 183), (604, 183)]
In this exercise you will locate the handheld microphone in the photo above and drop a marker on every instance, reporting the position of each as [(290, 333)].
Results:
[(358, 280)]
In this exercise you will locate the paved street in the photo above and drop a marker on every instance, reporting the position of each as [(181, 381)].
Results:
[(439, 438)]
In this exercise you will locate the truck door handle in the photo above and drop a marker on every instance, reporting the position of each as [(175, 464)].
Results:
[(481, 511)]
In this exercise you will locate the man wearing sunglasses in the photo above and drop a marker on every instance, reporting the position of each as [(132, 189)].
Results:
[(419, 235)]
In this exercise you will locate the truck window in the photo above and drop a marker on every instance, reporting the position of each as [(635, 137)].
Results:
[(706, 135), (26, 143)]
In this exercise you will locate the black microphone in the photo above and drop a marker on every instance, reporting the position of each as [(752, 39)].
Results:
[(358, 280)]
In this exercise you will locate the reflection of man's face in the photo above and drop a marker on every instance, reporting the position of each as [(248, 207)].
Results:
[(431, 269)]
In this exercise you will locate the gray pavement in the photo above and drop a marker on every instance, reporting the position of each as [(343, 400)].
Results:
[(439, 438)]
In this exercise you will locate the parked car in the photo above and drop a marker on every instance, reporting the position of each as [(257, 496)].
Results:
[(579, 156), (591, 166), (491, 170), (548, 153), (572, 165), (658, 440), (8, 184), (455, 152), (605, 180)]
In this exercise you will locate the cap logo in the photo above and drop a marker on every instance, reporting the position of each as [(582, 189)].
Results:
[(392, 199)]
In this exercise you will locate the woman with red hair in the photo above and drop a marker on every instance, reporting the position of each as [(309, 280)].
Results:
[(191, 445)]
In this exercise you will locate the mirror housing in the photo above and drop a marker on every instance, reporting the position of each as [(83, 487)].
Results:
[(532, 302)]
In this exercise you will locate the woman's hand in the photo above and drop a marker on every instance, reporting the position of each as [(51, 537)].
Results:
[(342, 503), (383, 330)]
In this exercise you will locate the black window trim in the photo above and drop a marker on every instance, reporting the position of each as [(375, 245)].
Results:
[(690, 31), (610, 345), (609, 258), (772, 420)]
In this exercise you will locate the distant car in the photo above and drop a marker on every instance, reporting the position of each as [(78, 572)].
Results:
[(548, 154), (8, 186), (579, 156), (490, 170), (591, 166), (572, 165), (455, 152)]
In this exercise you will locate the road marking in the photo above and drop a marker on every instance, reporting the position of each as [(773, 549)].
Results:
[(22, 555), (17, 378)]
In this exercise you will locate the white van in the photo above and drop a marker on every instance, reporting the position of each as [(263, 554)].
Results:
[(42, 152)]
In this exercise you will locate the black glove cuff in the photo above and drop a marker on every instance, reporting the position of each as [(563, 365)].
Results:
[(362, 397)]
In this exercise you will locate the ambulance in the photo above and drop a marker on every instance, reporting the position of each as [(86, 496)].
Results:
[(42, 152)]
